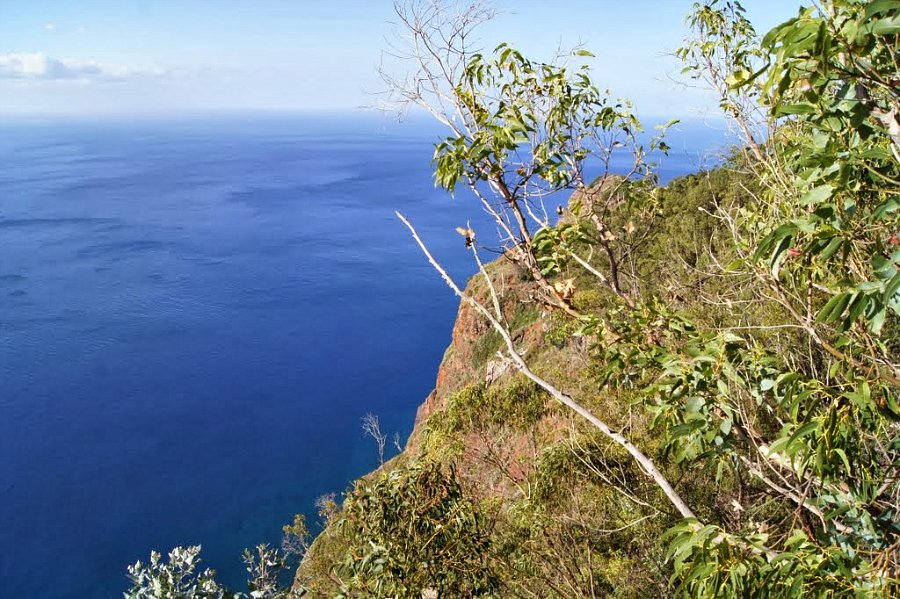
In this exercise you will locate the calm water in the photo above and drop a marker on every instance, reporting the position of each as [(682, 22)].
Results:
[(194, 316)]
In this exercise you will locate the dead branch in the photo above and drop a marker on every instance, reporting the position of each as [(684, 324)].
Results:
[(645, 463)]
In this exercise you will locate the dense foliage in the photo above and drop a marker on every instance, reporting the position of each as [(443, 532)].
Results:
[(413, 532), (816, 422)]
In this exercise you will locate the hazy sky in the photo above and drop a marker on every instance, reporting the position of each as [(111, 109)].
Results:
[(161, 56)]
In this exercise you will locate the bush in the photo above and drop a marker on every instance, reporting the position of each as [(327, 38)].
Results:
[(411, 532)]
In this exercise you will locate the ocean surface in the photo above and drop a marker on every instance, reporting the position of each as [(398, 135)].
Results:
[(195, 314)]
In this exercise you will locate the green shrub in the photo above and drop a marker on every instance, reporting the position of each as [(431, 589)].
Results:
[(412, 531), (519, 405)]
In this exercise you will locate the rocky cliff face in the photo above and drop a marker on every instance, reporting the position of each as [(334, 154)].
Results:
[(554, 501), (474, 361), (470, 357), (482, 417)]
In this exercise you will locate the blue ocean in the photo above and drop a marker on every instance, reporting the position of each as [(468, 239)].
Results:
[(195, 314)]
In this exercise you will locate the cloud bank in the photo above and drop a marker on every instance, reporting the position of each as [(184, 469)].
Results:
[(39, 66)]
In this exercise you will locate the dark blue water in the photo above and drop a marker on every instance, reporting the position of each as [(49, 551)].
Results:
[(194, 316)]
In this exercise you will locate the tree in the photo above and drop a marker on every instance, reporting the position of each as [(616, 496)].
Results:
[(817, 243), (525, 129), (520, 131)]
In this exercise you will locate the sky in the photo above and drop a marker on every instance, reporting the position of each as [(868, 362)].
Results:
[(122, 57)]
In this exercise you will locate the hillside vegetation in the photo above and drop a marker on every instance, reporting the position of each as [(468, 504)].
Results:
[(554, 508)]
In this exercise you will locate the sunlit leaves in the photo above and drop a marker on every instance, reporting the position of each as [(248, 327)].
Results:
[(530, 123), (411, 530), (826, 236), (178, 577)]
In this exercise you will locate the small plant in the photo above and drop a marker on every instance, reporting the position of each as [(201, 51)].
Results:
[(372, 428), (177, 578), (264, 566), (181, 578)]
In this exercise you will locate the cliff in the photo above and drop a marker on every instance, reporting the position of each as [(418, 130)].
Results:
[(545, 493), (501, 491), (482, 420)]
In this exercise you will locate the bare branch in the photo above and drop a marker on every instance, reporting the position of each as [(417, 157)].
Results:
[(372, 428), (645, 463)]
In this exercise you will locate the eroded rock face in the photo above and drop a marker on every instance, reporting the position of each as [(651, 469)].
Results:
[(600, 196), (492, 463), (497, 460), (495, 370), (459, 366)]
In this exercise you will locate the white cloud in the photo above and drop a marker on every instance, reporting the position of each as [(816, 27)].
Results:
[(50, 26), (39, 66)]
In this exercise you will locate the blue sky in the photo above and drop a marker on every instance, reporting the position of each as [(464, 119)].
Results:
[(90, 57)]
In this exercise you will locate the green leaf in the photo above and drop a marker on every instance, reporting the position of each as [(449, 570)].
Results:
[(881, 6), (886, 26), (833, 309), (817, 195), (857, 306), (876, 154), (725, 426), (890, 205), (785, 230), (893, 287), (734, 265), (883, 267), (832, 248), (876, 322), (804, 431), (789, 109)]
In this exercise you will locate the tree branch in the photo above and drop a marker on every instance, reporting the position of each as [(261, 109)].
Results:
[(643, 460)]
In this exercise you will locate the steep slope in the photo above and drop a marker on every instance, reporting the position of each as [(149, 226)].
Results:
[(559, 510)]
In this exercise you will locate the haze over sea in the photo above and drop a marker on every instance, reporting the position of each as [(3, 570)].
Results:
[(195, 313)]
